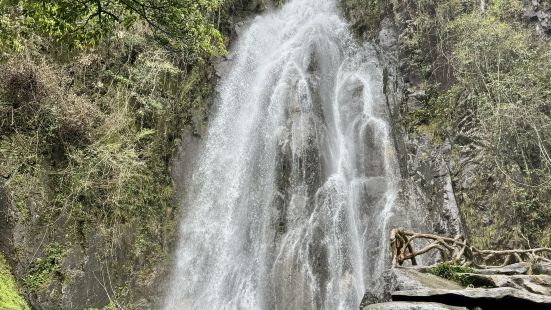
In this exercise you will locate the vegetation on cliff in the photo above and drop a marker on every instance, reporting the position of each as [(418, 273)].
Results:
[(480, 71), (93, 101), (488, 88), (180, 25)]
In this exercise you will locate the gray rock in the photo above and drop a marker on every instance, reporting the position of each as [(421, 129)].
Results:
[(518, 268), (398, 279), (388, 36), (538, 12), (542, 268), (400, 305), (493, 298), (6, 224), (413, 104), (239, 28), (537, 284), (86, 283), (411, 279), (185, 160), (222, 66), (418, 94), (531, 15)]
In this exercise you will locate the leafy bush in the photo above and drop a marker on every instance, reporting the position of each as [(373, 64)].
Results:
[(44, 269), (182, 26)]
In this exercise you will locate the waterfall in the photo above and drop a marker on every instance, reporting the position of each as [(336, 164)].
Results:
[(290, 203)]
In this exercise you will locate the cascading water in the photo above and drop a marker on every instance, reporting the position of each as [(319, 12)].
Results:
[(290, 203)]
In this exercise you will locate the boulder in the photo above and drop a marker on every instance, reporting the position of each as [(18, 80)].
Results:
[(518, 268), (542, 268), (411, 279), (493, 298), (402, 278), (537, 284), (401, 305)]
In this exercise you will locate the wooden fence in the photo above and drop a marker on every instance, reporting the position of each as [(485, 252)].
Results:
[(458, 251)]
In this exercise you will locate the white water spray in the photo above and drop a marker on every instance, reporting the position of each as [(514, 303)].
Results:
[(290, 203)]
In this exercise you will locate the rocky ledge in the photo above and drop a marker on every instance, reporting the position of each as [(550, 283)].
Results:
[(520, 286), (401, 305), (474, 298)]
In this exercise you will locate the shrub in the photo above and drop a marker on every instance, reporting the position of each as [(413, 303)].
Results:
[(44, 269)]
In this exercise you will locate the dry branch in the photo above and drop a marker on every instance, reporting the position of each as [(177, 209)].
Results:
[(459, 251)]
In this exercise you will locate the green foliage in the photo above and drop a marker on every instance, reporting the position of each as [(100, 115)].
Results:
[(485, 72), (44, 269), (504, 81), (10, 21), (427, 38), (457, 274), (366, 15), (449, 270), (87, 144), (109, 134), (9, 294), (91, 115), (183, 26), (507, 10), (436, 115)]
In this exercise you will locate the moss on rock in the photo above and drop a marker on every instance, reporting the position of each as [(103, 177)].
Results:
[(9, 293), (459, 274)]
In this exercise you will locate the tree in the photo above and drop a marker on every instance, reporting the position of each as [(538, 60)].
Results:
[(183, 26)]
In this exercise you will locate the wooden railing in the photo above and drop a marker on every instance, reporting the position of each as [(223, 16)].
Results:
[(458, 251)]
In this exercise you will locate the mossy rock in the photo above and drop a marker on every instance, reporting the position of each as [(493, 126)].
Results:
[(9, 294)]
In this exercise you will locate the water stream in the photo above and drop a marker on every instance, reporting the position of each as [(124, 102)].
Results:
[(290, 203)]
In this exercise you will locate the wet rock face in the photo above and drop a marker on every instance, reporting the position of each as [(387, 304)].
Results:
[(78, 289), (6, 223), (299, 173)]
